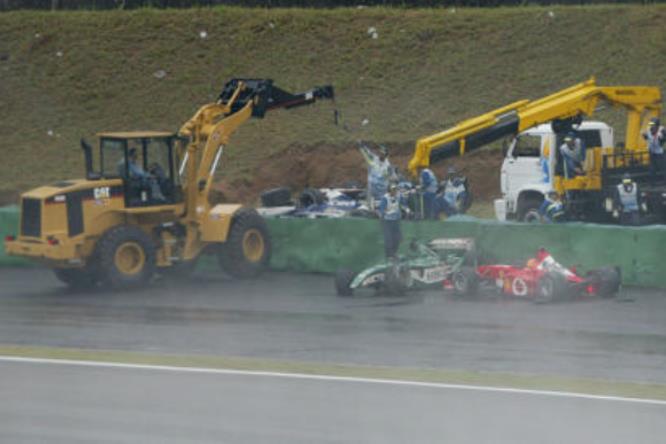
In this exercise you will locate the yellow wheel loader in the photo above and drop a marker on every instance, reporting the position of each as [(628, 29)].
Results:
[(144, 204)]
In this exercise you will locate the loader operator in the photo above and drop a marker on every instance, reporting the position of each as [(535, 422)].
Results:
[(429, 185), (136, 172), (390, 213), (656, 136), (627, 193), (379, 173)]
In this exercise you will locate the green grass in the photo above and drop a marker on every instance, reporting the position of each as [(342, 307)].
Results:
[(427, 69), (488, 379)]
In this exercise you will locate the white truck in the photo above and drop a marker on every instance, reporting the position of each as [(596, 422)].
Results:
[(533, 164), (528, 173)]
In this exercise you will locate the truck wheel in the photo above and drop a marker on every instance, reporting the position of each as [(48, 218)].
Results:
[(532, 216), (529, 208), (126, 257), (76, 278), (550, 287), (343, 280), (276, 197), (247, 250), (465, 282)]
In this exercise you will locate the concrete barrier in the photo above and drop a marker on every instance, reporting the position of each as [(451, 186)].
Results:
[(324, 245), (9, 225)]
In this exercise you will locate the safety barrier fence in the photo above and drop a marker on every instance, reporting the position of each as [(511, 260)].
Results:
[(9, 222), (324, 245)]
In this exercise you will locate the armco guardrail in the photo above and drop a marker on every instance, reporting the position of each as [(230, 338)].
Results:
[(324, 245)]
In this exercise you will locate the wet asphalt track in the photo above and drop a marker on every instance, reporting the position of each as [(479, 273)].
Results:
[(57, 403), (299, 318)]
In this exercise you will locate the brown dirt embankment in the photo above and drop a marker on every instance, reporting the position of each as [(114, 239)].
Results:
[(329, 165)]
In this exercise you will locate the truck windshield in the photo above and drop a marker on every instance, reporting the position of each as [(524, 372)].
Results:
[(527, 146)]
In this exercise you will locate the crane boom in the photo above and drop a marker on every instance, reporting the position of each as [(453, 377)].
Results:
[(563, 107)]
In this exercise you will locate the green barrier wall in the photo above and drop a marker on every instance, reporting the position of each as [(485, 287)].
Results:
[(9, 224), (325, 245)]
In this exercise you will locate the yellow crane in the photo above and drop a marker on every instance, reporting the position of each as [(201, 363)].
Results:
[(564, 110)]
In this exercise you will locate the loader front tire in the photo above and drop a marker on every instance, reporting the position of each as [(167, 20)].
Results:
[(247, 249), (126, 257)]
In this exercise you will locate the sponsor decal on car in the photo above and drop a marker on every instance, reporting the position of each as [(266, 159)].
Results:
[(431, 275), (519, 287), (373, 279)]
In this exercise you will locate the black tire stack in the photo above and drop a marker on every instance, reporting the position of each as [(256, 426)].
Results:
[(276, 197)]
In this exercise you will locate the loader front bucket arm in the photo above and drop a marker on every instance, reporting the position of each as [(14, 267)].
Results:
[(209, 130), (265, 96)]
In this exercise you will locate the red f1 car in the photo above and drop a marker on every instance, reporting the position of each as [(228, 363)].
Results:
[(542, 279)]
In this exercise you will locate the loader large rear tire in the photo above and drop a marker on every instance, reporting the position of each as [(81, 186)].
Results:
[(247, 250), (126, 257)]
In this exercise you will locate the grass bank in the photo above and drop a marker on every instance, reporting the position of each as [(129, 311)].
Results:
[(65, 75)]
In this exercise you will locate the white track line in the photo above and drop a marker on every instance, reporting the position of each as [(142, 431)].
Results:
[(305, 376)]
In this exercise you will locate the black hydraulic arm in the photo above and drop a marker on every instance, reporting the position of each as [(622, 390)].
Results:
[(267, 96)]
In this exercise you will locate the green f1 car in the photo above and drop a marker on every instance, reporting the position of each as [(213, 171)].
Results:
[(425, 264)]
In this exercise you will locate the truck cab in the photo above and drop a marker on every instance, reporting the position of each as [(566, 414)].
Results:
[(531, 163)]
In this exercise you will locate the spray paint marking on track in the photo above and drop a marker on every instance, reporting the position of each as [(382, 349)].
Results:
[(330, 378)]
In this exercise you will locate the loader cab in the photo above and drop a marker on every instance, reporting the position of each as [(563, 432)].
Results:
[(147, 164)]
